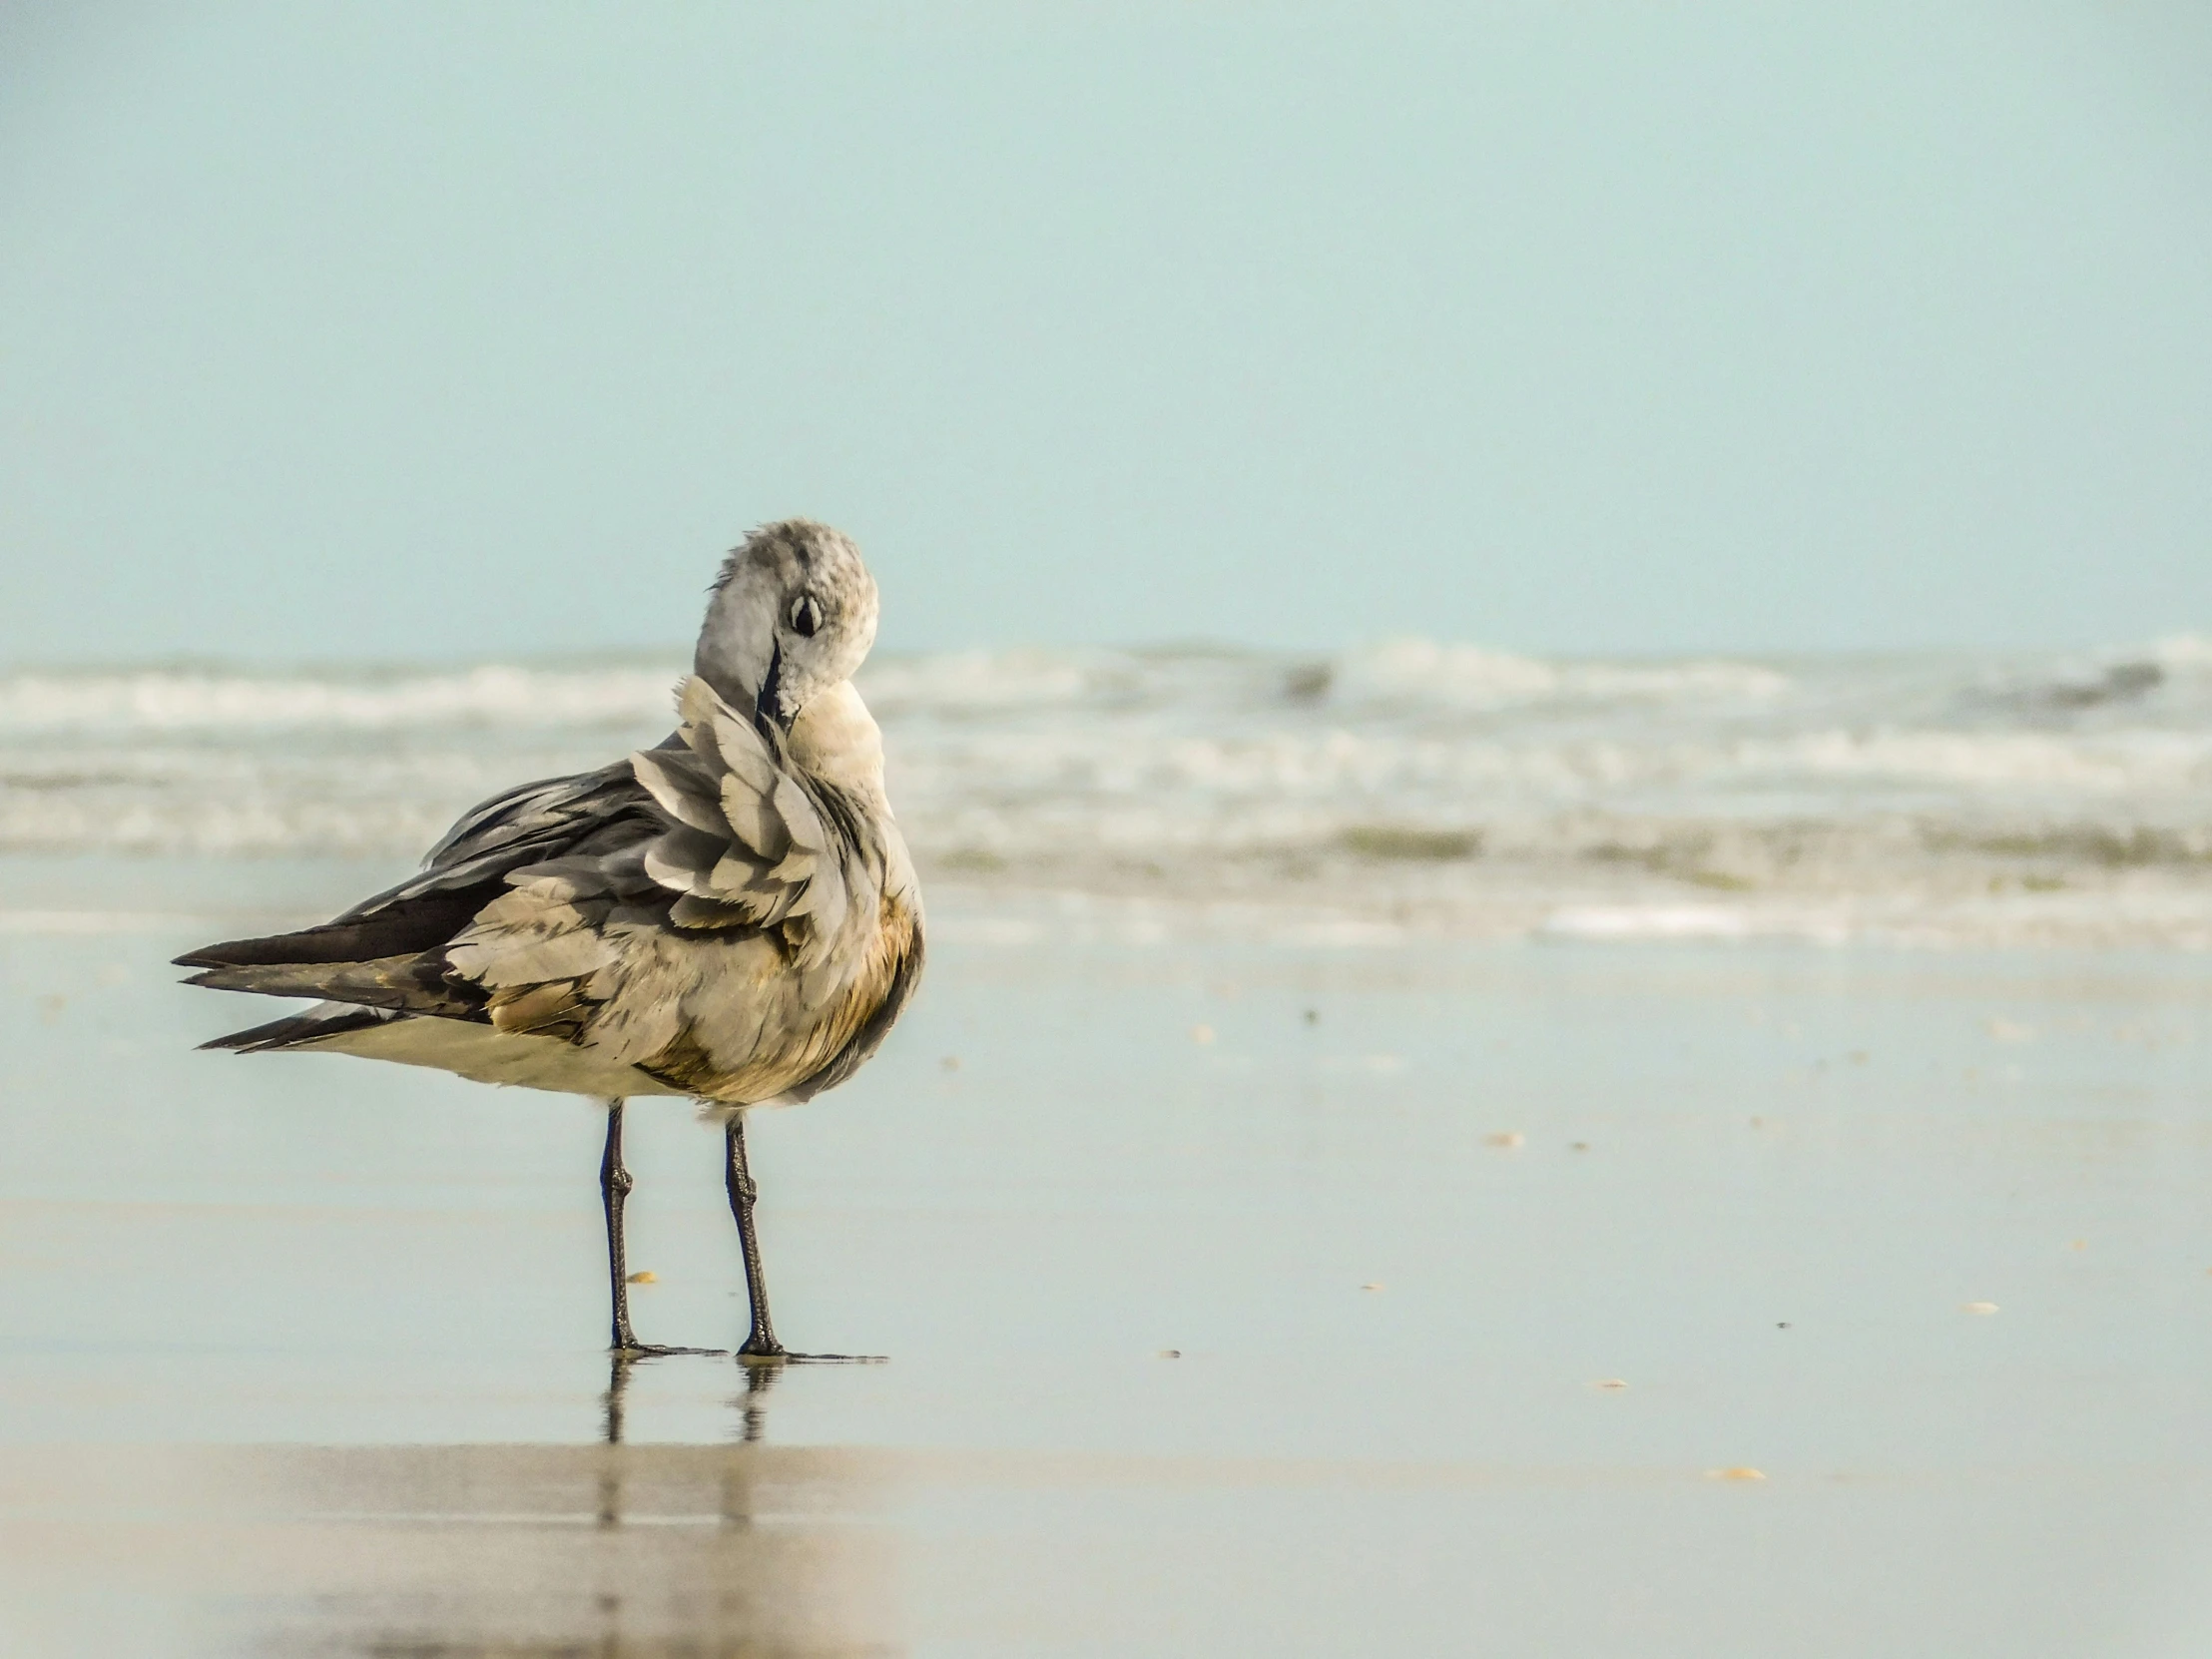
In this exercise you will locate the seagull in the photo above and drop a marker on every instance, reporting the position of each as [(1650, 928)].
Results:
[(730, 915)]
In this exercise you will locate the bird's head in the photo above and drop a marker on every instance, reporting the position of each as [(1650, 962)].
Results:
[(792, 614)]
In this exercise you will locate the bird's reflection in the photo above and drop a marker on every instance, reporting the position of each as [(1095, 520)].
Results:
[(618, 1385), (737, 1548), (751, 1404), (751, 1407)]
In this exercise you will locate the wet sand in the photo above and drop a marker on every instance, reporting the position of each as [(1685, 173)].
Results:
[(1240, 1294)]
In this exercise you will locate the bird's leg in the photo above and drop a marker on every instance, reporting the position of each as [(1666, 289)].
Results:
[(761, 1342), (614, 1188)]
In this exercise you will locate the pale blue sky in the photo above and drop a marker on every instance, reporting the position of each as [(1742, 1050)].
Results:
[(445, 331)]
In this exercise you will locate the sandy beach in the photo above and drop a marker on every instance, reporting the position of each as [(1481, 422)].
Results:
[(1241, 1293)]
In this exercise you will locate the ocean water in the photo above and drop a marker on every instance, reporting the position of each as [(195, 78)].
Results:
[(1410, 787)]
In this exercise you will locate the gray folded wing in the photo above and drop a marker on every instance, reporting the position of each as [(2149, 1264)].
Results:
[(467, 869), (590, 814)]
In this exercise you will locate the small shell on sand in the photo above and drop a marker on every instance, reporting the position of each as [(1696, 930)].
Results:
[(645, 1276), (1977, 1306), (1202, 1033), (1510, 1138), (1740, 1472), (1615, 1384)]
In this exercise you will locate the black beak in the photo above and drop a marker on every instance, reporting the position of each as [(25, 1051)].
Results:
[(767, 712)]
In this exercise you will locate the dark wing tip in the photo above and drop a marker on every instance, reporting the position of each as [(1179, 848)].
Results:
[(282, 1033), (400, 928), (237, 953), (255, 1035)]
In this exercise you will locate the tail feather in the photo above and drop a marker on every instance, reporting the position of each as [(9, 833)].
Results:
[(414, 985), (293, 1029), (402, 930)]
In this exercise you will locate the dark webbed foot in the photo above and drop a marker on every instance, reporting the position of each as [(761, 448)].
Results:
[(782, 1355), (634, 1350)]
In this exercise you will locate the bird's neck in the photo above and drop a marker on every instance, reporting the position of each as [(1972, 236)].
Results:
[(835, 740)]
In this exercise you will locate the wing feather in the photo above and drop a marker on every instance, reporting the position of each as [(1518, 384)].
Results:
[(684, 786), (751, 846)]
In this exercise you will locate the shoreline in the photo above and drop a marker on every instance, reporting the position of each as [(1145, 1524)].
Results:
[(119, 893)]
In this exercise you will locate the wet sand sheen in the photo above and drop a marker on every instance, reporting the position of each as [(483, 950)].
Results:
[(1436, 1300), (751, 1548)]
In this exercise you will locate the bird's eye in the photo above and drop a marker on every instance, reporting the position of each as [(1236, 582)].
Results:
[(806, 614)]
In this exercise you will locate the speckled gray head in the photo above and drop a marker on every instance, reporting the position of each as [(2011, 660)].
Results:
[(792, 614)]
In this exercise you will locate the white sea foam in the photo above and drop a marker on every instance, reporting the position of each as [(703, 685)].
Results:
[(1647, 921), (2184, 652), (1388, 785), (155, 700), (1695, 922), (1425, 673)]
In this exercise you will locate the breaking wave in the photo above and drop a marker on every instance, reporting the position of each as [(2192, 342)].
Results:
[(184, 699), (1412, 775)]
